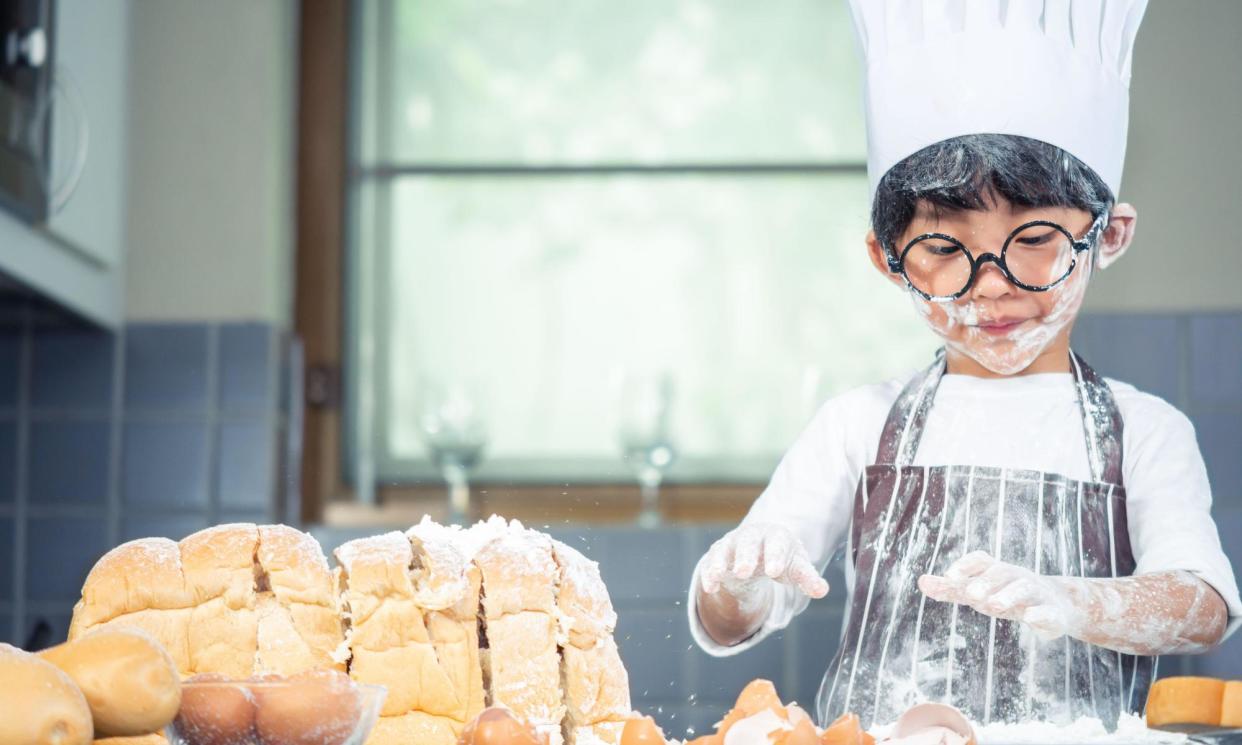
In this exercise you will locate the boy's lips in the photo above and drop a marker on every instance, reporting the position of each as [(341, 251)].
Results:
[(1001, 326)]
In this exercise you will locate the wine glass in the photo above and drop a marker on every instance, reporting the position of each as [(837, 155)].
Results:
[(646, 437), (455, 432)]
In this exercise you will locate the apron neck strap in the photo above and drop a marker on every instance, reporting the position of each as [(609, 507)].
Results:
[(1101, 419)]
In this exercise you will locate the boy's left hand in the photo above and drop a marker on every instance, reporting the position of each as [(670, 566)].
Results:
[(996, 588)]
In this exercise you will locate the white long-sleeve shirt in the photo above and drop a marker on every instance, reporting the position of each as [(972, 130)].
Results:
[(1029, 421)]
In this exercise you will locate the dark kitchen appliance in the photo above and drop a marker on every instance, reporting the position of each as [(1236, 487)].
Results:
[(26, 81)]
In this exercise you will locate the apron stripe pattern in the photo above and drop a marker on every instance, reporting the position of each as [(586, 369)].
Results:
[(899, 648)]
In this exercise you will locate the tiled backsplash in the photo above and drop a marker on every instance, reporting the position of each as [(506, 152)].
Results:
[(159, 430), (168, 428)]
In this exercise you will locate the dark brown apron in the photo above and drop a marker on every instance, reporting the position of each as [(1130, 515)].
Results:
[(900, 648)]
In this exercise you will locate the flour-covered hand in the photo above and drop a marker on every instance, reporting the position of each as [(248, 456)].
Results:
[(748, 558), (1149, 614), (1003, 590)]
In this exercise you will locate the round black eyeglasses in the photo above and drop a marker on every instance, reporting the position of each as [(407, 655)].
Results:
[(1037, 256)]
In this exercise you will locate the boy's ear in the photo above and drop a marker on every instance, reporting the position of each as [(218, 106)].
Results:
[(1118, 235), (879, 259)]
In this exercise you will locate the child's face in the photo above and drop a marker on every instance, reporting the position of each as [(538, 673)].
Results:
[(996, 324)]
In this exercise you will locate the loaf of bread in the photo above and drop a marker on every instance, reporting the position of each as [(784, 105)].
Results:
[(235, 599), (521, 662), (449, 620), (412, 604), (597, 689), (128, 679), (39, 703)]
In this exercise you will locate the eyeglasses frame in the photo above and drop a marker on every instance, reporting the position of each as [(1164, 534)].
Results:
[(897, 262)]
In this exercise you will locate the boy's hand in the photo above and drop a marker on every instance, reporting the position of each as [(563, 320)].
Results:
[(739, 562), (996, 588)]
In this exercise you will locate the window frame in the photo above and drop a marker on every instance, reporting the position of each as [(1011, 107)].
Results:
[(326, 321)]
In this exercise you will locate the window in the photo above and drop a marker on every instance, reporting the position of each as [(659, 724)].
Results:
[(549, 199)]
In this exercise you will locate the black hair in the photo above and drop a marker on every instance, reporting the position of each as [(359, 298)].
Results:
[(971, 171)]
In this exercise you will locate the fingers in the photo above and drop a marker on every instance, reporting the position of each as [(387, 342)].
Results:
[(938, 588), (747, 555), (716, 567), (986, 586), (971, 565), (803, 575), (778, 552)]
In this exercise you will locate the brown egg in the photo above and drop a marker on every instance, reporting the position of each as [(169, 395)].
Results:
[(215, 715), (320, 707), (496, 726)]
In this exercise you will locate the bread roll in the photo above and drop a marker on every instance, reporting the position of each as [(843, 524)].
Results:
[(235, 599), (1185, 700), (129, 680), (596, 686), (39, 703), (151, 739)]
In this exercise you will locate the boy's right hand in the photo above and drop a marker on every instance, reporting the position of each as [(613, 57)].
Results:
[(740, 561)]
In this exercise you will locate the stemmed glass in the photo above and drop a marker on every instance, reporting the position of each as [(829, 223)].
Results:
[(646, 436), (453, 427)]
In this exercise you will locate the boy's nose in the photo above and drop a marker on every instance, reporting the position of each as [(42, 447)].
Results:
[(990, 282)]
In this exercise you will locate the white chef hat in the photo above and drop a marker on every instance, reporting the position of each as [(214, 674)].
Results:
[(1053, 70)]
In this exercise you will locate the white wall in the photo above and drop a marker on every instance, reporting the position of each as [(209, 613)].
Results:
[(213, 133), (1184, 165)]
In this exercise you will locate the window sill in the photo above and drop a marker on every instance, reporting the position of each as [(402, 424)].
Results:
[(605, 504)]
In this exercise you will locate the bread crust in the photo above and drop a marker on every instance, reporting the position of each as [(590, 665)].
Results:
[(39, 703), (236, 599), (128, 679)]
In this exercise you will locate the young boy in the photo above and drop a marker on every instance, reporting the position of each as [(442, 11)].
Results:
[(1067, 540)]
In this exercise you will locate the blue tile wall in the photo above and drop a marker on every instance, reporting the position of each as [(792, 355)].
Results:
[(154, 525), (1142, 350), (8, 559), (1220, 435), (125, 435), (69, 462), (8, 460), (60, 551), (72, 369), (1216, 360), (246, 465), (10, 358), (45, 628), (246, 361), (165, 464), (166, 367)]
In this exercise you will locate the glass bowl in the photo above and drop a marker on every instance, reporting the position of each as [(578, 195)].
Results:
[(326, 709)]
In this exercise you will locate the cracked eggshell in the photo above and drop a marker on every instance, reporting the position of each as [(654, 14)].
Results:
[(924, 716)]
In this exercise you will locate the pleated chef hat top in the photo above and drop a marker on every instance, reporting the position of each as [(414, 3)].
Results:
[(1053, 70)]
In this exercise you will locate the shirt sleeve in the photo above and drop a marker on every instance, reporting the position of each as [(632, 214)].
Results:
[(1169, 502), (811, 494)]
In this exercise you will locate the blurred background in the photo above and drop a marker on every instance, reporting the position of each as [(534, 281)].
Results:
[(593, 265)]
